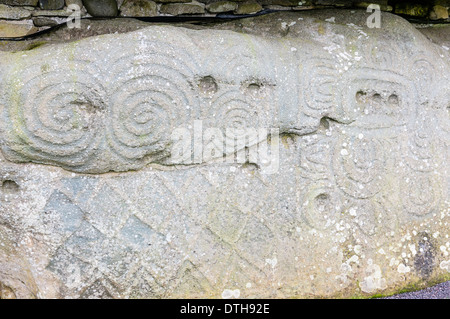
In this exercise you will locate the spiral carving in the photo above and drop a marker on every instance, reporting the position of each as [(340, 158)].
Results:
[(319, 85), (57, 114), (236, 116), (359, 165), (152, 95), (433, 89), (422, 195)]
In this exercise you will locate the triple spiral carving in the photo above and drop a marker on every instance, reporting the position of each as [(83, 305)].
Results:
[(76, 113)]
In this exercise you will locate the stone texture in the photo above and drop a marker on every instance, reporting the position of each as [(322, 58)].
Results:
[(181, 8), (438, 13), (101, 8), (248, 8), (221, 6), (438, 34), (77, 2), (32, 3), (355, 203), (51, 13), (412, 9), (45, 21), (51, 4), (12, 13), (9, 29), (138, 8)]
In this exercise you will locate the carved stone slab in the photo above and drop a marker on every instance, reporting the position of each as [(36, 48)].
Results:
[(96, 202)]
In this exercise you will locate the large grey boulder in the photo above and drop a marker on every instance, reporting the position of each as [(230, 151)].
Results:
[(342, 192), (101, 8)]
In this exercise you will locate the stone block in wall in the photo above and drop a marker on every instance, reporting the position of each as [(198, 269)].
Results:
[(77, 2), (51, 13), (138, 8), (248, 7), (51, 4), (222, 6), (101, 8), (438, 13), (419, 10), (12, 28), (32, 3), (181, 8), (42, 21), (13, 13)]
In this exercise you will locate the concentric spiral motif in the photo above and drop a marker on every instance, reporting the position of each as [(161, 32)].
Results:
[(359, 164), (319, 86), (320, 204), (421, 192), (425, 152), (434, 90), (152, 95), (315, 156), (57, 114), (423, 71), (420, 146), (237, 118)]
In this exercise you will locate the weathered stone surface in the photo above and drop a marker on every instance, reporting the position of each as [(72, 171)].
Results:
[(222, 6), (45, 21), (32, 3), (11, 13), (138, 8), (51, 13), (51, 4), (248, 8), (438, 13), (72, 2), (182, 8), (355, 203), (101, 8), (9, 29), (412, 9)]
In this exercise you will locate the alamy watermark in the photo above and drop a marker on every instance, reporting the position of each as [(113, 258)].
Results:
[(374, 20), (196, 145), (74, 19)]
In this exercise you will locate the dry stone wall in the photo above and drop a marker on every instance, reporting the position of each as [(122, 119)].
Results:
[(22, 17)]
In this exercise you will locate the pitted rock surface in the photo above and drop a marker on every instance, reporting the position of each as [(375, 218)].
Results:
[(95, 205)]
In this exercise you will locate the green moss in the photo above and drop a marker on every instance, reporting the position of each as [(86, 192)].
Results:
[(35, 45), (414, 10), (413, 286)]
